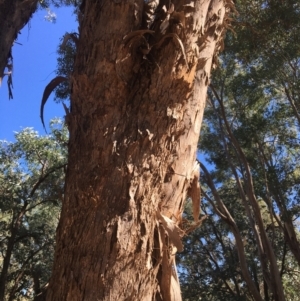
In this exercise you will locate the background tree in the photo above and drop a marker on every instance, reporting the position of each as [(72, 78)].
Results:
[(252, 121), (31, 181)]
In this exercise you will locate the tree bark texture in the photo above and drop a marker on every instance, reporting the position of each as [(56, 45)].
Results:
[(137, 103), (14, 15)]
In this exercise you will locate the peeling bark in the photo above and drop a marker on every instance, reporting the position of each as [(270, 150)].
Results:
[(136, 111)]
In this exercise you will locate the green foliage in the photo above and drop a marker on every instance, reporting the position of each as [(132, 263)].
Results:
[(31, 189), (51, 15), (65, 61), (58, 3)]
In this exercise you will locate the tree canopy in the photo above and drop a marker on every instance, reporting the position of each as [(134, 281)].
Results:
[(31, 181)]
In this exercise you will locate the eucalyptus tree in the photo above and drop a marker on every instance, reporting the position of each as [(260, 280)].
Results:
[(268, 123), (31, 190), (251, 140), (138, 91)]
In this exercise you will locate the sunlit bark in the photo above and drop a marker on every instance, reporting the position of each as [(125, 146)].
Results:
[(136, 110)]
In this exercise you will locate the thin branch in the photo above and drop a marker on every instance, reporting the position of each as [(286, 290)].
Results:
[(43, 178)]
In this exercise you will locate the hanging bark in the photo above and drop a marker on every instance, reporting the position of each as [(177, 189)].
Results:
[(137, 101), (14, 15)]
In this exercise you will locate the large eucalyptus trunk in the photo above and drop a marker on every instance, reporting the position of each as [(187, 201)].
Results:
[(136, 110)]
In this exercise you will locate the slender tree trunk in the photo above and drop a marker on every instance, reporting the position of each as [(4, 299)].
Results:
[(6, 263), (266, 251), (286, 222), (14, 229), (225, 215), (136, 110), (292, 103), (14, 15)]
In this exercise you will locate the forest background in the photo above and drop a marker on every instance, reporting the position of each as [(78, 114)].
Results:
[(249, 181)]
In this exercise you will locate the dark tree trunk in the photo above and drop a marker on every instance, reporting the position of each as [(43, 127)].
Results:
[(14, 229), (14, 15), (136, 112), (6, 263)]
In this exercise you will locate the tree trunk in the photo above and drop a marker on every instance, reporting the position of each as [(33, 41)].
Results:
[(14, 15), (136, 110), (11, 240), (225, 215), (6, 262)]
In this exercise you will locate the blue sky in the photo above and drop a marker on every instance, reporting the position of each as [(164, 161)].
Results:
[(34, 67)]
